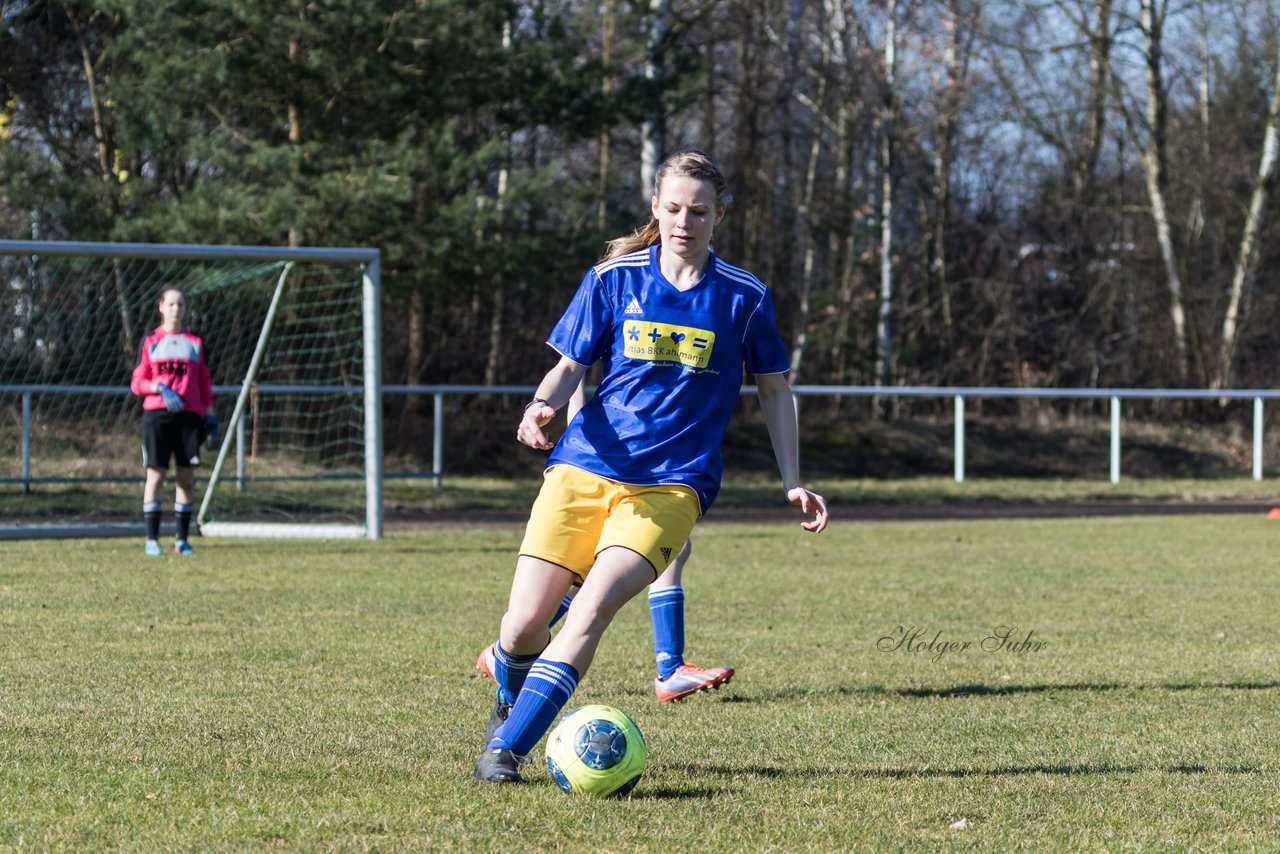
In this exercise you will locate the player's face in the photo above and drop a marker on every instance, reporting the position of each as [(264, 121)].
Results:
[(173, 307), (687, 214)]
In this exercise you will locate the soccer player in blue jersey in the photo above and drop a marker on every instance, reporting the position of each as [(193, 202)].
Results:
[(675, 328)]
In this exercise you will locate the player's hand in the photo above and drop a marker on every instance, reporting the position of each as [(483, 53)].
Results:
[(811, 504), (536, 414), (172, 400), (213, 438)]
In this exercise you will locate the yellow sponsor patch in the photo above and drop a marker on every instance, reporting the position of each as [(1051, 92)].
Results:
[(664, 342)]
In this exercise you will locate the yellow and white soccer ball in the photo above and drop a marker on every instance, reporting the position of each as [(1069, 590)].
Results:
[(596, 750)]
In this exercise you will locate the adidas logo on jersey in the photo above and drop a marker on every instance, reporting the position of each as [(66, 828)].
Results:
[(633, 307)]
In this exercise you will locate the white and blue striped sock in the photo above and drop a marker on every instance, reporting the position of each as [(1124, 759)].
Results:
[(510, 671), (548, 687)]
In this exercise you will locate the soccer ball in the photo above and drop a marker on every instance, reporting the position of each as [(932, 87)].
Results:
[(596, 750)]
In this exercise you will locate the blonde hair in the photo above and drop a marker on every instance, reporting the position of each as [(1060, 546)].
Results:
[(685, 163)]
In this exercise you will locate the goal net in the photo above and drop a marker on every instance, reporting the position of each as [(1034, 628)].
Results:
[(292, 345)]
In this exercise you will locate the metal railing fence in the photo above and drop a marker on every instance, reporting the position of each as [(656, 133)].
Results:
[(958, 394)]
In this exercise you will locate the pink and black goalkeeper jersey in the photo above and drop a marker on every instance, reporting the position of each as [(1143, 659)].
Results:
[(177, 360)]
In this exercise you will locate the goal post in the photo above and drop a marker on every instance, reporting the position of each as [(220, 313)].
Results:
[(293, 342)]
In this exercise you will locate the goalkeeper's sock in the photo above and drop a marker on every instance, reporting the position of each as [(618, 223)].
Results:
[(182, 519), (548, 688), (666, 610), (151, 516), (510, 671)]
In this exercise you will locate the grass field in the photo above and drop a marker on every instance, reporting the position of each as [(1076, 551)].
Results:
[(285, 696)]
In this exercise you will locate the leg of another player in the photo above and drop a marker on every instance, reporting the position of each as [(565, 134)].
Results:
[(151, 493), (184, 497), (666, 611), (617, 576), (677, 679)]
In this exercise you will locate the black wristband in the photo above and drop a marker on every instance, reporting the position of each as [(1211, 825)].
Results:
[(536, 400)]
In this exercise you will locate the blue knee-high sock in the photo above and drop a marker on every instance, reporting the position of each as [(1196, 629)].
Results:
[(549, 686), (510, 671), (666, 608), (560, 612)]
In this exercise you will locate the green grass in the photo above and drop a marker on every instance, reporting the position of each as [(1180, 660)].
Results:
[(306, 696)]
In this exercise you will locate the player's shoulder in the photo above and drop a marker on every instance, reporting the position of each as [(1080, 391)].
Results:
[(739, 278), (622, 263)]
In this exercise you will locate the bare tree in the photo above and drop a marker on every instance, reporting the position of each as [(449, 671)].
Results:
[(652, 130), (884, 319), (806, 225), (105, 152), (959, 27), (1153, 156), (1247, 254), (608, 30)]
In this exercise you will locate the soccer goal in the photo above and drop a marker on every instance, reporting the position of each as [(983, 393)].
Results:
[(292, 341)]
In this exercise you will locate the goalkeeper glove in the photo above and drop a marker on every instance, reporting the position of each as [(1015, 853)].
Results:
[(212, 437), (172, 400)]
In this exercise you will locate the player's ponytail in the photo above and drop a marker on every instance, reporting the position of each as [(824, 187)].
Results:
[(685, 163)]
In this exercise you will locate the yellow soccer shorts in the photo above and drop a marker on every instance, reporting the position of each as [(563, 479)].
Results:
[(577, 515)]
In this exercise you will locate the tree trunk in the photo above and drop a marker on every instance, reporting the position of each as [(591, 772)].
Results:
[(955, 63), (295, 139), (1099, 63), (415, 405), (607, 32), (102, 152), (496, 319), (1154, 160), (652, 130), (1245, 258), (845, 248), (805, 225), (884, 328)]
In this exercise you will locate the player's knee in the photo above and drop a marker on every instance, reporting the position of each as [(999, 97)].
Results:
[(523, 631)]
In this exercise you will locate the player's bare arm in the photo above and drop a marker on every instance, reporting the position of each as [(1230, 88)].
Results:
[(779, 409), (553, 393)]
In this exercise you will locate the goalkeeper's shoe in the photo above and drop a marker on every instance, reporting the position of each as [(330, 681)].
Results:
[(485, 663), (182, 547), (152, 548), (690, 679), (498, 765)]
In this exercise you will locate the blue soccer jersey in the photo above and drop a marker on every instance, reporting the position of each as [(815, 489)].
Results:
[(673, 366)]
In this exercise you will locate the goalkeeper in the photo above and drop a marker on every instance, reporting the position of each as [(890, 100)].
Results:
[(172, 377)]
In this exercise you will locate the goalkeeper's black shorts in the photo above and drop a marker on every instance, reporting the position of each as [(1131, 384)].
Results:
[(171, 434)]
